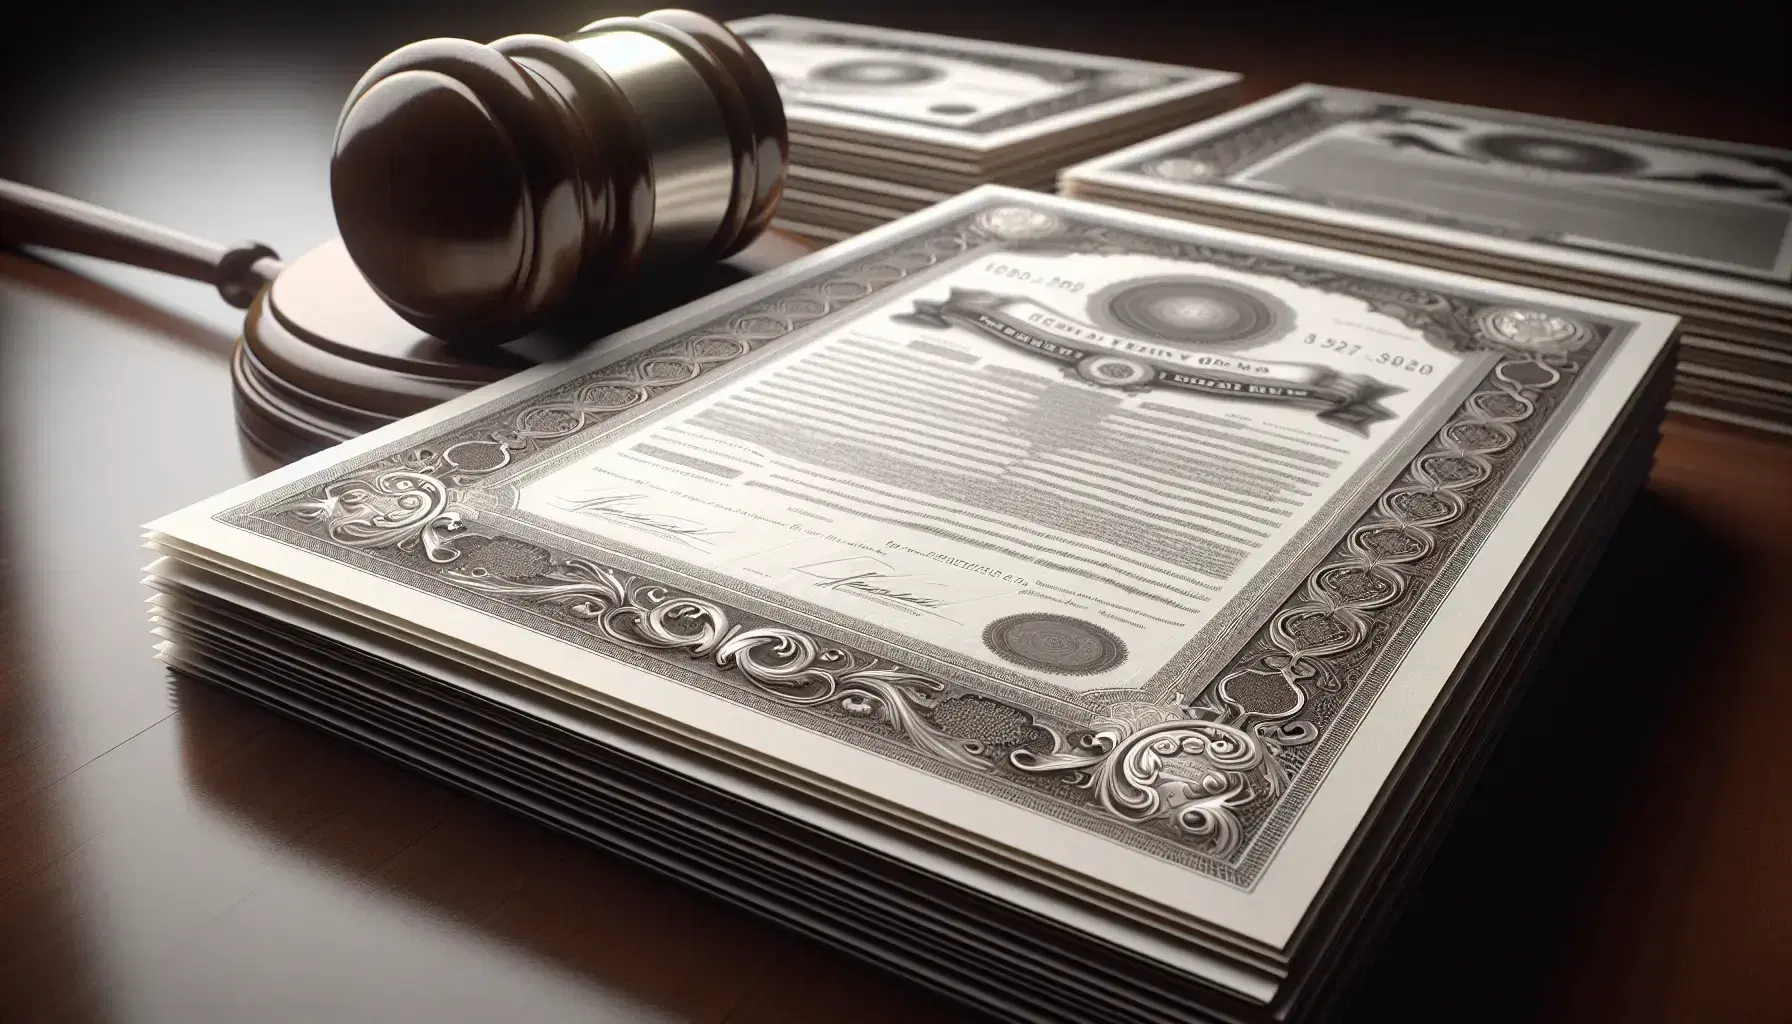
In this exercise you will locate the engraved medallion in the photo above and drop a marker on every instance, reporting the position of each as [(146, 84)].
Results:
[(1550, 153), (1182, 168), (890, 73), (1193, 311), (1016, 223), (1055, 643), (1531, 330), (1113, 371)]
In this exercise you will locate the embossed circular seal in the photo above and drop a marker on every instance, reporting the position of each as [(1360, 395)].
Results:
[(1054, 643), (1115, 371), (876, 72), (1182, 168), (1198, 312), (1531, 330), (1545, 152), (1016, 223)]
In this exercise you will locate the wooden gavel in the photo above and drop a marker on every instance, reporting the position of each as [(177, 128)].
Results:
[(480, 188), (482, 191)]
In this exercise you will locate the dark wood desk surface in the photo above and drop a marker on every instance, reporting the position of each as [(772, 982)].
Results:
[(170, 854)]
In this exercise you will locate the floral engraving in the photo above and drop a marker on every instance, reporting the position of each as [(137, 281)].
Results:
[(1150, 765), (786, 664)]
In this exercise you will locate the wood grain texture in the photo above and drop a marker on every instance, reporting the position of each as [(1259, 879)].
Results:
[(171, 854), (1687, 915)]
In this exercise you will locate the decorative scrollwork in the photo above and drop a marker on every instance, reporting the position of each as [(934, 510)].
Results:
[(1373, 568), (1246, 730), (399, 509), (788, 665), (1192, 774)]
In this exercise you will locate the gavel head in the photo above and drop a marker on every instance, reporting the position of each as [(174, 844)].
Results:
[(480, 189)]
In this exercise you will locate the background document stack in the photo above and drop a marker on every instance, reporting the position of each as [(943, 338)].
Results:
[(883, 123), (1702, 229)]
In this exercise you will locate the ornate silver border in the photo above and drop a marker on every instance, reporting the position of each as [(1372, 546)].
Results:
[(1212, 781)]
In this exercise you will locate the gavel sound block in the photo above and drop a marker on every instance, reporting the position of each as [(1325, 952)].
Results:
[(322, 358), (498, 205)]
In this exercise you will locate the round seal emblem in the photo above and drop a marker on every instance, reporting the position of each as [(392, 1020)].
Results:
[(1531, 330), (1182, 168), (1573, 156), (1054, 643), (1115, 371), (1016, 223), (875, 72), (1196, 312)]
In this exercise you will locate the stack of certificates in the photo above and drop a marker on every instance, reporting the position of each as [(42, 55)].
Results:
[(1702, 229), (1089, 615), (884, 123)]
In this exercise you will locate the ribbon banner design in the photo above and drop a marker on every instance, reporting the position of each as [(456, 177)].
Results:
[(1349, 400)]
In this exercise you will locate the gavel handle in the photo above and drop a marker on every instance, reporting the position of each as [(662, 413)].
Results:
[(31, 216)]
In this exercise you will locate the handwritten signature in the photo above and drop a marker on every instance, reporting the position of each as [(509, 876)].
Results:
[(614, 508), (865, 583)]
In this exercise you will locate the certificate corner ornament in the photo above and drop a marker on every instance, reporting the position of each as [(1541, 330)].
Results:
[(1014, 223), (1183, 169), (1532, 330), (1144, 764)]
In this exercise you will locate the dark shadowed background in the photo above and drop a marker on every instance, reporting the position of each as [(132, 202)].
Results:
[(167, 854)]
